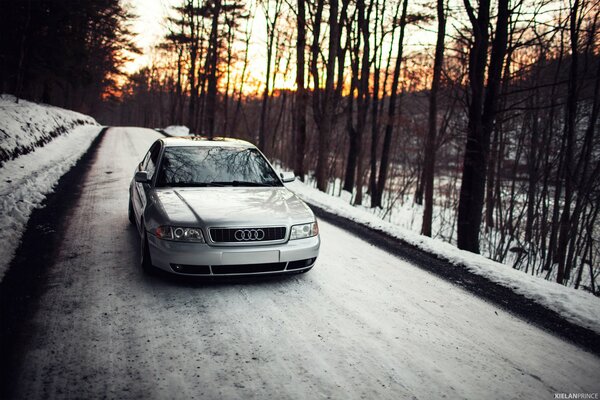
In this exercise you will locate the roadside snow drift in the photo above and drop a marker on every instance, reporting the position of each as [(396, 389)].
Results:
[(579, 307), (30, 171), (25, 126), (176, 130)]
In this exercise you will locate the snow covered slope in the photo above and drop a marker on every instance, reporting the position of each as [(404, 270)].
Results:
[(25, 126), (29, 171), (579, 307)]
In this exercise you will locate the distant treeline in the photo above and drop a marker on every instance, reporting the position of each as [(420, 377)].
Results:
[(62, 52)]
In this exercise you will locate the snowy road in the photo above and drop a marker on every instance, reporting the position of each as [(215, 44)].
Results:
[(361, 324)]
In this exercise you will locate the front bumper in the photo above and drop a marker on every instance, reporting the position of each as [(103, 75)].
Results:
[(201, 259)]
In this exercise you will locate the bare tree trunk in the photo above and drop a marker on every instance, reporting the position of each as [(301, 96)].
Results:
[(352, 157), (532, 161), (323, 104), (300, 114), (363, 100), (584, 179), (480, 123), (177, 105), (193, 48), (430, 146), (491, 181), (271, 22), (230, 37), (375, 108), (201, 86), (551, 248), (238, 107), (571, 113), (391, 114), (212, 61)]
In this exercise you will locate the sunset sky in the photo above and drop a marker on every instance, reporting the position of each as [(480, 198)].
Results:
[(149, 26)]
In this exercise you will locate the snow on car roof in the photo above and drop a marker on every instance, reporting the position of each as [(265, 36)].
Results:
[(205, 142)]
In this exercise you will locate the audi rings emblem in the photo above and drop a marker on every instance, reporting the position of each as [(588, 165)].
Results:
[(245, 235)]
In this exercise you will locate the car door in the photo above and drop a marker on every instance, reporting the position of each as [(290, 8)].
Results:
[(148, 164)]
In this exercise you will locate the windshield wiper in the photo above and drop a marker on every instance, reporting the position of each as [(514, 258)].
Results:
[(244, 183)]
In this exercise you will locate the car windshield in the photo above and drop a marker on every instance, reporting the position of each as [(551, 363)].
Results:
[(215, 166)]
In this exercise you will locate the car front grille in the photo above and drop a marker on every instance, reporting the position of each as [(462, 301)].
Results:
[(247, 235)]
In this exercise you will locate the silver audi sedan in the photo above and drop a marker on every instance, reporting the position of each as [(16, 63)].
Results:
[(217, 207)]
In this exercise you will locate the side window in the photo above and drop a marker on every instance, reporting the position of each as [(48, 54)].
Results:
[(145, 161), (153, 160)]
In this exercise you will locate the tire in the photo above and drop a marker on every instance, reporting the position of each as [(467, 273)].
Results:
[(130, 212), (145, 260)]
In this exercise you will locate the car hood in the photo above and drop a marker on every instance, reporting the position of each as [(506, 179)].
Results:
[(231, 206)]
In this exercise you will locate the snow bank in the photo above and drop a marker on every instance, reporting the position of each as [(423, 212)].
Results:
[(25, 126), (176, 130), (27, 179), (579, 307)]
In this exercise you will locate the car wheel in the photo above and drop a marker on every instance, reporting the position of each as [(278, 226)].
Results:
[(130, 212), (145, 260)]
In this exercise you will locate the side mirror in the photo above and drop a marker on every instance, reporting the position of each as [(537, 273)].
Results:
[(287, 177), (142, 177)]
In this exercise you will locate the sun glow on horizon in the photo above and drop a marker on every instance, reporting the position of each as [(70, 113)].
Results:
[(150, 28)]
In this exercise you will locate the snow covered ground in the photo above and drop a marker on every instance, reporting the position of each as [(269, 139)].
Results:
[(27, 179), (363, 324), (577, 306)]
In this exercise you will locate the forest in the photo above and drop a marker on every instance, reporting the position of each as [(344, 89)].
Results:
[(475, 122)]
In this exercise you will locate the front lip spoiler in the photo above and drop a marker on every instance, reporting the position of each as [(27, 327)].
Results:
[(284, 271)]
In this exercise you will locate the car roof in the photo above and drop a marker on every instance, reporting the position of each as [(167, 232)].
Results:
[(202, 141)]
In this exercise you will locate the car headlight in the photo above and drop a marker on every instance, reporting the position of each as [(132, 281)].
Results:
[(304, 231), (179, 233)]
